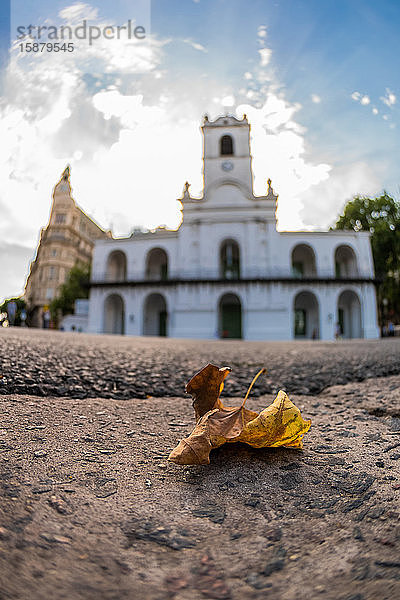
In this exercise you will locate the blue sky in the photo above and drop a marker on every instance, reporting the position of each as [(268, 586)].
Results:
[(329, 48), (319, 81)]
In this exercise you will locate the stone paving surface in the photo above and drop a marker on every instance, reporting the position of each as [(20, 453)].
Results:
[(51, 363), (90, 508)]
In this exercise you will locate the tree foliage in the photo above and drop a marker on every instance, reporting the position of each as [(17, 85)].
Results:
[(381, 217), (76, 286), (21, 305)]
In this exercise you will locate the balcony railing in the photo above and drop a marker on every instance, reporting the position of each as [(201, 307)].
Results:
[(204, 274)]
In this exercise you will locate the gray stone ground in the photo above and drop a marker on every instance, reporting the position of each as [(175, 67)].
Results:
[(91, 509), (47, 363)]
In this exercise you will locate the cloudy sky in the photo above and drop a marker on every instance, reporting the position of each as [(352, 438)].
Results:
[(319, 82)]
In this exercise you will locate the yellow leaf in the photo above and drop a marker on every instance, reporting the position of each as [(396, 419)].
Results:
[(281, 424)]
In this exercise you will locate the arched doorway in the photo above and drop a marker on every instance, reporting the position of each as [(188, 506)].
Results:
[(303, 261), (345, 262), (229, 260), (114, 315), (116, 266), (230, 316), (157, 265), (349, 315), (155, 316), (306, 316)]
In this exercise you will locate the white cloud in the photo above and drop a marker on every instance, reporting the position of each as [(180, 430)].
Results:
[(77, 12), (362, 99), (323, 202), (14, 266), (311, 195), (195, 45), (278, 149), (132, 140), (389, 99), (262, 31), (315, 98), (48, 117), (199, 47), (228, 100), (265, 56), (117, 132), (375, 110)]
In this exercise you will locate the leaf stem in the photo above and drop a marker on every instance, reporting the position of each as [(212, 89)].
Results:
[(263, 370)]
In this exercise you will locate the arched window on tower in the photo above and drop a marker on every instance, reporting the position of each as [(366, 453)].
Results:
[(226, 145)]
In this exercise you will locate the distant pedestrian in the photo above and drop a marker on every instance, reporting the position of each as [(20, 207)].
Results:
[(390, 329), (46, 319), (23, 317), (338, 331), (11, 312)]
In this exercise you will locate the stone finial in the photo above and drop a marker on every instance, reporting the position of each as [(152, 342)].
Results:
[(270, 191), (205, 119), (186, 193), (62, 189), (66, 173), (244, 117)]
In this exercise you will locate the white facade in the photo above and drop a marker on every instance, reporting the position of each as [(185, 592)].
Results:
[(79, 321), (227, 271)]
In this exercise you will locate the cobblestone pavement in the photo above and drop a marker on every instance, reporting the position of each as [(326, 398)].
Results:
[(90, 509), (47, 363)]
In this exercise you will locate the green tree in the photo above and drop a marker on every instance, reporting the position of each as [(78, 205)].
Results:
[(381, 217), (76, 286), (21, 305)]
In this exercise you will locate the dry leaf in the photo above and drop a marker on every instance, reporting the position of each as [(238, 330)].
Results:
[(280, 424), (206, 387)]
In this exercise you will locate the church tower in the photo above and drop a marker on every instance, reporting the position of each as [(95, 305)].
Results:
[(227, 156), (228, 177)]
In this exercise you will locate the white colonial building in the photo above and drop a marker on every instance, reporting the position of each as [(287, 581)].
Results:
[(227, 272)]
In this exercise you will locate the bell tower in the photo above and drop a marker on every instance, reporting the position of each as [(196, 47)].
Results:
[(228, 178), (226, 152)]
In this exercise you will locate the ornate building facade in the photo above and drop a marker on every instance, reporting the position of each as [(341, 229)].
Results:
[(67, 239), (227, 272)]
